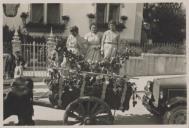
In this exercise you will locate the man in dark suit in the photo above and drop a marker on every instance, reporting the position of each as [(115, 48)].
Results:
[(18, 100)]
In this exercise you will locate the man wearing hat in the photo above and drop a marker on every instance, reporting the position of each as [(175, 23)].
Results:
[(18, 100)]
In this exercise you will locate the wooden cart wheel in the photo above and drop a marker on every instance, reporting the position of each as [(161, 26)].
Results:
[(88, 111)]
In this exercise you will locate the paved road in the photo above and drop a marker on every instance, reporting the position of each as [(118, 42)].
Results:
[(136, 115)]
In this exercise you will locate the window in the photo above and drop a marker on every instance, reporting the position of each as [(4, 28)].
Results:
[(101, 13), (37, 14), (45, 13), (107, 12), (53, 13), (114, 11)]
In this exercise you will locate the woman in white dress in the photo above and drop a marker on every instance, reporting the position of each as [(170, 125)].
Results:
[(93, 45), (110, 41), (75, 44)]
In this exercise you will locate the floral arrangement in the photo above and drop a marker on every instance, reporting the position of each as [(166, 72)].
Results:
[(124, 18)]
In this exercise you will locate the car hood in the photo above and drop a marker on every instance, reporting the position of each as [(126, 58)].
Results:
[(172, 82)]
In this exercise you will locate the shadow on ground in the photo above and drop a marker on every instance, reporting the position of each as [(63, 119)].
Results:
[(38, 122), (48, 122), (134, 119), (128, 119)]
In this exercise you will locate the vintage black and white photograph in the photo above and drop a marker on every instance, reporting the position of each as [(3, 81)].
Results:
[(94, 63)]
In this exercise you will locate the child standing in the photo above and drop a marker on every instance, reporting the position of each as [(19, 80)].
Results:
[(19, 62)]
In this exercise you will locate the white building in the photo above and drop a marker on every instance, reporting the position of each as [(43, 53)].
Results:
[(52, 14)]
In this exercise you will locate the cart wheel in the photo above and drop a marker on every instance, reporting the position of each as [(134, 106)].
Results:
[(88, 111)]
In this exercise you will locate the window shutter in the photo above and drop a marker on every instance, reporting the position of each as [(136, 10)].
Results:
[(53, 13), (37, 11), (114, 12)]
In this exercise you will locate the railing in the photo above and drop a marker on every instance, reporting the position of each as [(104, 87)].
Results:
[(35, 52), (35, 56), (156, 48)]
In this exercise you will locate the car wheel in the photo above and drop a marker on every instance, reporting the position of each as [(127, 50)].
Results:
[(176, 115)]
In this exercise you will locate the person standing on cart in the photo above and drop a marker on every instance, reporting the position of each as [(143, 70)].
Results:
[(93, 45), (75, 43), (110, 41)]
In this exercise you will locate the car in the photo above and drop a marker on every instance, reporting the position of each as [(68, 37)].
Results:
[(167, 98)]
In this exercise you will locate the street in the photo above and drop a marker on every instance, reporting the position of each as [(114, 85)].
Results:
[(134, 116)]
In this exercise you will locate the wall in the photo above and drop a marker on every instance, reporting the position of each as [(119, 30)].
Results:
[(155, 64), (15, 22), (128, 10), (78, 15), (138, 22), (134, 12)]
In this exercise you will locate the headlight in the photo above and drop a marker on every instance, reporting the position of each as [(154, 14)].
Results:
[(161, 94)]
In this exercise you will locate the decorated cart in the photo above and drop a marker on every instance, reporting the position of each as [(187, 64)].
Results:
[(89, 91)]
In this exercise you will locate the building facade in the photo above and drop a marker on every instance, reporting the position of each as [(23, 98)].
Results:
[(52, 13)]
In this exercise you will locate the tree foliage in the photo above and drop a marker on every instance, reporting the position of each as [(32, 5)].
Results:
[(167, 21)]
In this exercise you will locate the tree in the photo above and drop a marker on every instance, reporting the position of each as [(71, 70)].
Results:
[(167, 21)]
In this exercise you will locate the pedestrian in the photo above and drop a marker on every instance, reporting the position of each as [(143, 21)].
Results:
[(19, 62), (18, 100), (93, 45), (110, 41), (9, 66)]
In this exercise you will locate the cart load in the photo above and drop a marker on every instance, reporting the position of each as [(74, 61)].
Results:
[(89, 90)]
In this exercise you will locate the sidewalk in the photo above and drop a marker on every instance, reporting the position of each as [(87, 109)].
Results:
[(40, 88), (36, 73)]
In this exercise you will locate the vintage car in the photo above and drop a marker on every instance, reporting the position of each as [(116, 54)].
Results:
[(167, 98)]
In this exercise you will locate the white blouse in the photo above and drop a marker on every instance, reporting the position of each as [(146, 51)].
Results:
[(110, 37), (75, 44), (92, 38)]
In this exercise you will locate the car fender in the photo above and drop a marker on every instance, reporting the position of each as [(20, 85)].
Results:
[(175, 100)]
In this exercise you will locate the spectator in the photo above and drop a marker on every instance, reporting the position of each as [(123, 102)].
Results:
[(19, 62), (9, 66), (19, 101)]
